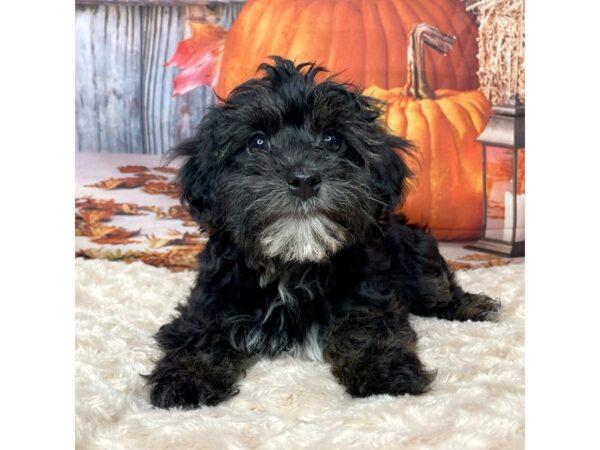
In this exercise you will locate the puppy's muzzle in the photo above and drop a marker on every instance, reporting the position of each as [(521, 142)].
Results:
[(303, 184)]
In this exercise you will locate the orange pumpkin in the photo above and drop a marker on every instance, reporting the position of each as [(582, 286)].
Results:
[(444, 125), (357, 38)]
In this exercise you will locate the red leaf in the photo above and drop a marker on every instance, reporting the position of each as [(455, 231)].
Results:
[(198, 57), (206, 74)]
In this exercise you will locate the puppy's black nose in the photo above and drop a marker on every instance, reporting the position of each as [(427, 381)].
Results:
[(303, 184)]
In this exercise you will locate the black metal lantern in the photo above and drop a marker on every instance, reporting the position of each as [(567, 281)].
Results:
[(503, 146)]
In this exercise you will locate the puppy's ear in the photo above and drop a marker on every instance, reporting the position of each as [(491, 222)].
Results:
[(369, 108), (389, 170), (197, 175), (391, 174)]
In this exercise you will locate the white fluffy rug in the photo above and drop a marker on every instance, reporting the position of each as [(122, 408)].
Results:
[(476, 402)]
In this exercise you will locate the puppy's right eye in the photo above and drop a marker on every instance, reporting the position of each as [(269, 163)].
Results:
[(258, 141)]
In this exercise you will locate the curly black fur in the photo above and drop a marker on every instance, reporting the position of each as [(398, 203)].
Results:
[(330, 276)]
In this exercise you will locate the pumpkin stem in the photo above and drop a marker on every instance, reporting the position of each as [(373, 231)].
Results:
[(416, 80)]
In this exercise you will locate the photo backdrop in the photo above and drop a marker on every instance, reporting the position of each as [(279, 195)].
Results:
[(148, 70)]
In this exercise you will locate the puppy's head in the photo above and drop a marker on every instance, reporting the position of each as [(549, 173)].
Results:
[(295, 170)]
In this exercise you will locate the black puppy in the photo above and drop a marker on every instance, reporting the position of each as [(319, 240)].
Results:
[(295, 181)]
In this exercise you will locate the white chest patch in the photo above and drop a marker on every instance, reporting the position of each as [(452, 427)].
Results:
[(302, 239)]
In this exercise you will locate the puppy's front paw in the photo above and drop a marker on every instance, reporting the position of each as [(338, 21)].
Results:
[(188, 386), (479, 308), (176, 393), (388, 372)]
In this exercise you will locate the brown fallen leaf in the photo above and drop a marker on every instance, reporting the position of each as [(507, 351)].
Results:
[(175, 238), (150, 176), (179, 258), (165, 169), (129, 209), (114, 241), (92, 210), (118, 183), (157, 242), (89, 203), (93, 216), (156, 187), (176, 259), (477, 257), (494, 261), (84, 201), (174, 212), (179, 212), (97, 231), (120, 233), (132, 169), (83, 228), (457, 265)]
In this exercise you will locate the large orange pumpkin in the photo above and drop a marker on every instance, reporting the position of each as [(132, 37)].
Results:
[(444, 124), (357, 38)]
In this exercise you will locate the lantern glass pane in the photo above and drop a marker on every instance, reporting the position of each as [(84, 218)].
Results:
[(520, 230), (499, 193)]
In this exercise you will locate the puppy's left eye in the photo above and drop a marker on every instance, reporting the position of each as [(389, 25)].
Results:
[(258, 141), (332, 140)]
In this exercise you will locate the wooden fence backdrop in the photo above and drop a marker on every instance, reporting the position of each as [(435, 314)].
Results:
[(124, 99)]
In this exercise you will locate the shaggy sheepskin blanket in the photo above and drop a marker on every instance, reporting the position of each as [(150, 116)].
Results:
[(476, 402)]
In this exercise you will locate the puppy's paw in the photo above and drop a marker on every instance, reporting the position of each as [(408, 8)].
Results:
[(479, 308), (188, 386), (390, 372)]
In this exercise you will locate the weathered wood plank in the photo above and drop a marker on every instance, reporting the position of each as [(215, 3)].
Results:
[(167, 119), (124, 92), (228, 13), (107, 79)]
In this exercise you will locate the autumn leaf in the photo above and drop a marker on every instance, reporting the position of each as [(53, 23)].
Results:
[(128, 209), (479, 261), (198, 57), (156, 187), (174, 238), (458, 265), (150, 176), (156, 242), (132, 169), (174, 212), (114, 241), (180, 258), (478, 257), (109, 206), (179, 212), (494, 263), (176, 259), (118, 235), (165, 169), (96, 215), (119, 183), (87, 223)]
